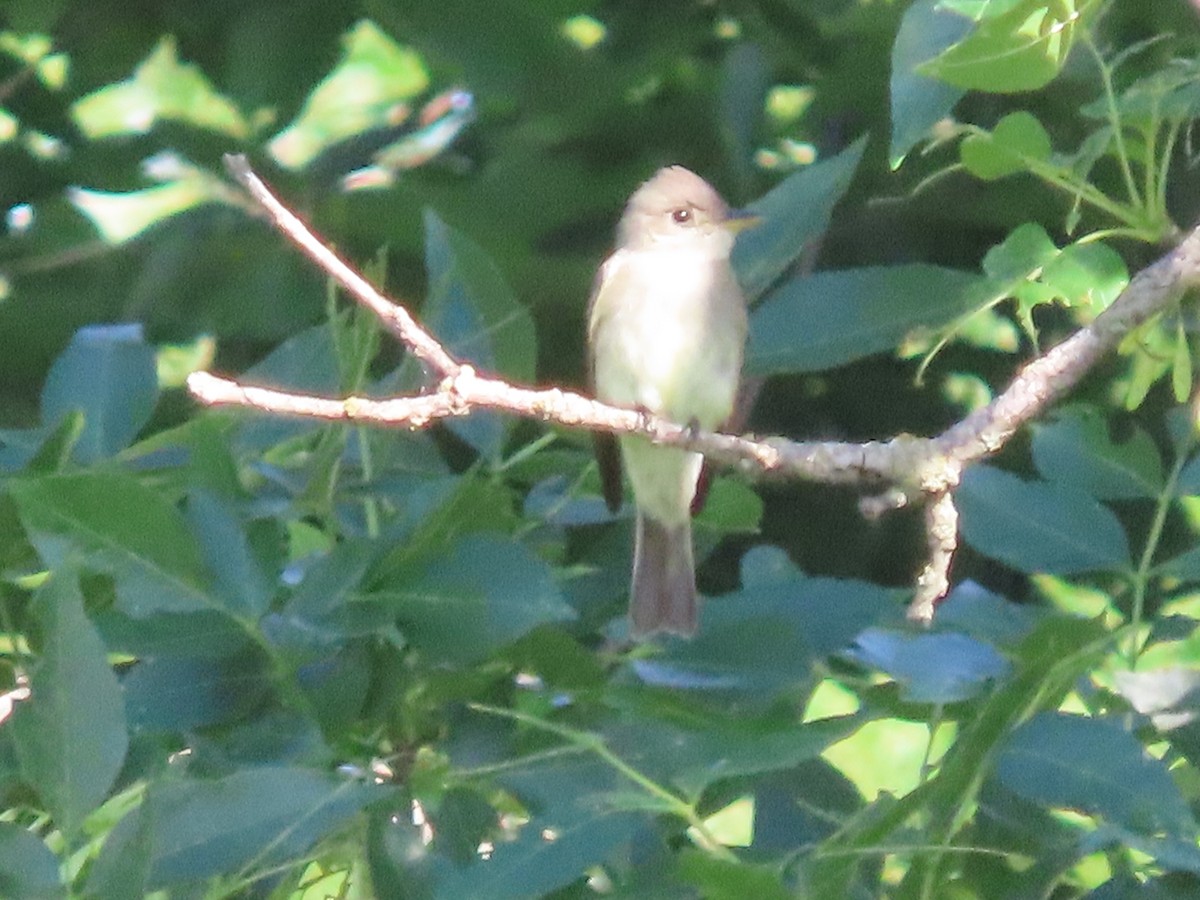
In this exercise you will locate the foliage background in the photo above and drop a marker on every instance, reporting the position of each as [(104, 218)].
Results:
[(274, 658)]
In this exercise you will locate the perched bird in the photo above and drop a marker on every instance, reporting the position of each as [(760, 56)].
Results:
[(666, 330)]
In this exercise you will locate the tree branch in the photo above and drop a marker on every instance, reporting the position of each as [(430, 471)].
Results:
[(902, 470)]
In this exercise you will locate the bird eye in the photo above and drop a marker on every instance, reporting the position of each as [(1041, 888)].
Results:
[(681, 216)]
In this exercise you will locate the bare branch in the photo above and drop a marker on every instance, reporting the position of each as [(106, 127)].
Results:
[(394, 316), (902, 470)]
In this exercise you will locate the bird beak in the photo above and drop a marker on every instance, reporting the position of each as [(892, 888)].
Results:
[(741, 219)]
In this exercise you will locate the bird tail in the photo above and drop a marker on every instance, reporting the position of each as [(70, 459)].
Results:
[(663, 594)]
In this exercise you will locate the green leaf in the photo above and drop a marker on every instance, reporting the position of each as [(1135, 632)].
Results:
[(794, 213), (462, 821), (1038, 527), (1091, 275), (717, 748), (332, 580), (1075, 448), (726, 879), (918, 101), (1096, 767), (251, 821), (161, 88), (481, 593), (1017, 138), (305, 362), (471, 307), (444, 511), (41, 449), (478, 318), (120, 216), (745, 77), (732, 507), (70, 735), (371, 87), (931, 668), (108, 373), (1020, 49), (111, 523), (1181, 367), (238, 577), (1169, 93), (1020, 256), (831, 318), (28, 870), (208, 634), (576, 821), (181, 692), (770, 635)]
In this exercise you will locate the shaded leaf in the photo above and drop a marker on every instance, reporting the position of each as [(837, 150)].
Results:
[(478, 318), (831, 318), (794, 214), (483, 592), (918, 101), (931, 668), (770, 635), (178, 693), (254, 819), (238, 578), (28, 870), (114, 524), (107, 372), (722, 879), (1075, 449), (695, 757), (576, 821), (1095, 767), (1039, 527), (70, 735)]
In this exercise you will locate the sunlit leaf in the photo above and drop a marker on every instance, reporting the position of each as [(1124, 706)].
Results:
[(160, 88), (1020, 49), (372, 86), (1017, 137), (122, 216)]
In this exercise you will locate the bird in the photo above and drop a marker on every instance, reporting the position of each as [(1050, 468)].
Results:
[(666, 332)]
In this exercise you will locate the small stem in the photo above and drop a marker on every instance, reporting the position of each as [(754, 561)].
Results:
[(596, 745), (1141, 577), (1114, 119)]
